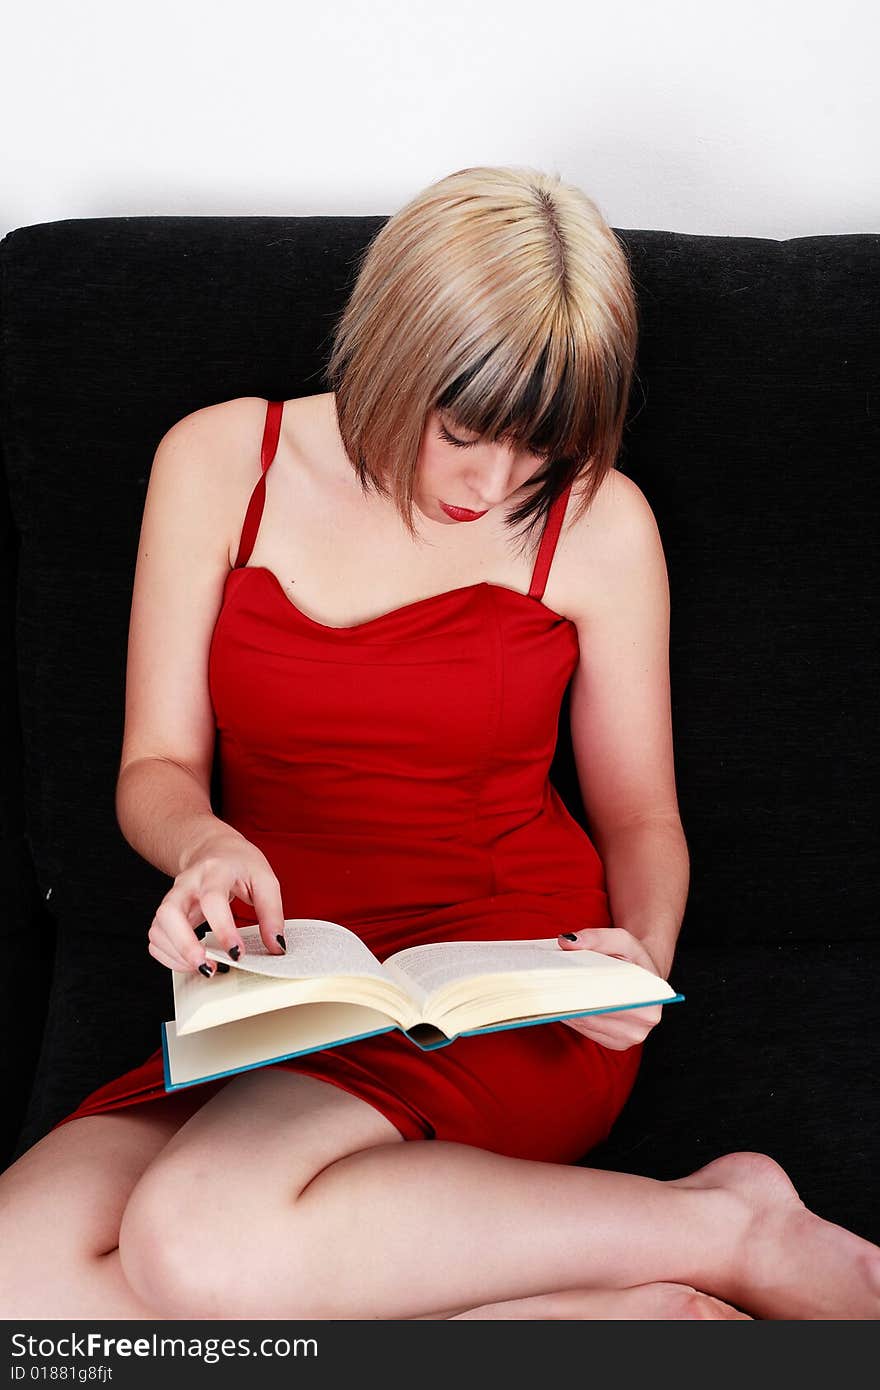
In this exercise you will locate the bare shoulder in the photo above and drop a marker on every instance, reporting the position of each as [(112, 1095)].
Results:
[(202, 465), (614, 544), (219, 447), (224, 422)]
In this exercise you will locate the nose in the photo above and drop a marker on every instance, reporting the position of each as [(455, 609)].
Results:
[(495, 479)]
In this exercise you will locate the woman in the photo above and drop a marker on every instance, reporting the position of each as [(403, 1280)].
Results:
[(379, 630)]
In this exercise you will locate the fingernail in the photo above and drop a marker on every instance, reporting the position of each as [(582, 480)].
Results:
[(568, 936), (235, 952), (223, 967), (280, 939), (206, 970)]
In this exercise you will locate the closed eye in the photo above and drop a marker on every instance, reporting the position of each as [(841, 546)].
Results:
[(459, 443), (469, 444)]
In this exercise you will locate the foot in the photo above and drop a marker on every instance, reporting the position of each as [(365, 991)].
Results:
[(642, 1303), (793, 1264), (651, 1302)]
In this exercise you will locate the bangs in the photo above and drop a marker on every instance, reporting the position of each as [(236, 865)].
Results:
[(539, 408)]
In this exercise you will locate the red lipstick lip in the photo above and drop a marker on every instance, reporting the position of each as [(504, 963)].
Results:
[(460, 513)]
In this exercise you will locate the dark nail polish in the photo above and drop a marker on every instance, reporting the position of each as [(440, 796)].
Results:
[(281, 942), (223, 968), (206, 970), (235, 952), (569, 936)]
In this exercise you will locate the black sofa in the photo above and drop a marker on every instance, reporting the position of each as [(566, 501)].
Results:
[(754, 432)]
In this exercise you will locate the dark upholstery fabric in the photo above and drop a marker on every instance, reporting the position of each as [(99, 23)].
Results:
[(753, 432)]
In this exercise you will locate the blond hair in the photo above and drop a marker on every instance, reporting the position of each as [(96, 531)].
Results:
[(501, 296)]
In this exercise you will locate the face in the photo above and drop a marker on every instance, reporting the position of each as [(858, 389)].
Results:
[(470, 476)]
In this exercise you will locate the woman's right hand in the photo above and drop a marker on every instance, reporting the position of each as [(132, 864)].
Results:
[(226, 865)]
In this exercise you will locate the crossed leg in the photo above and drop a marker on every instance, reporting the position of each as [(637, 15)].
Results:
[(295, 1199), (62, 1202), (284, 1197)]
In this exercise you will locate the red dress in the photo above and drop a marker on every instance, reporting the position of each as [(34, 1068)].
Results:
[(395, 775)]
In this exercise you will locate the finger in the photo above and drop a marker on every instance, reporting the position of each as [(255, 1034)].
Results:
[(610, 941), (158, 937), (586, 1030), (172, 959), (587, 938), (263, 893), (160, 947), (172, 929), (649, 1013), (593, 1023), (634, 1022), (603, 1039), (616, 1024), (618, 1041), (214, 907)]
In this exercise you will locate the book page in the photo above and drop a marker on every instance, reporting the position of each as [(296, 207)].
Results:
[(315, 949), (324, 962), (441, 963)]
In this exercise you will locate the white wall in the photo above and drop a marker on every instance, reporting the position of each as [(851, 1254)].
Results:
[(755, 117)]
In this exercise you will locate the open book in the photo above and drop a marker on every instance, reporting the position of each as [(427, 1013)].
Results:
[(329, 989)]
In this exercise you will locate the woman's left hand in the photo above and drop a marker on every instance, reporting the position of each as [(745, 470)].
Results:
[(620, 1028)]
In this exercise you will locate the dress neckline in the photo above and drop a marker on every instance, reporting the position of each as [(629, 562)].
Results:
[(463, 589), (546, 547)]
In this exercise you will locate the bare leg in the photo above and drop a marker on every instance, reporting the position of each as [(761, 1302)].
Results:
[(735, 1229), (84, 1172), (76, 1289), (61, 1203), (770, 1268), (448, 1240), (439, 1228)]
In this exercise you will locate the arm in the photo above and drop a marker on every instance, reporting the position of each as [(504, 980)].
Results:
[(197, 483), (163, 809), (198, 488), (647, 872), (621, 721), (163, 788)]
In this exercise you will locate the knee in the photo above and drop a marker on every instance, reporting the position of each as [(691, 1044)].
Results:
[(161, 1261), (189, 1255)]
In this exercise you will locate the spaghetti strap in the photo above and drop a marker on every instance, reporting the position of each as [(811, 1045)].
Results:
[(253, 515), (547, 548)]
